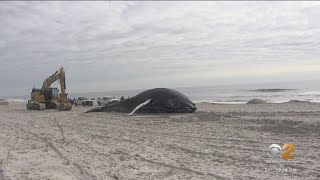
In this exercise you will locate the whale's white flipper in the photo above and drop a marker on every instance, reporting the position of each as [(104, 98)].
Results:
[(139, 106)]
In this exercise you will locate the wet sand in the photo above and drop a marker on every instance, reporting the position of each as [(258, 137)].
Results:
[(218, 141)]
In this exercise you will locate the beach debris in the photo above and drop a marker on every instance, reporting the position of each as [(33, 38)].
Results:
[(297, 101), (3, 102), (116, 176), (158, 100), (256, 101)]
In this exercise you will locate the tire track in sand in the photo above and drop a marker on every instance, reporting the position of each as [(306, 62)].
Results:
[(75, 168)]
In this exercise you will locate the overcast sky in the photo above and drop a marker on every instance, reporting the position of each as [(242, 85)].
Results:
[(135, 45)]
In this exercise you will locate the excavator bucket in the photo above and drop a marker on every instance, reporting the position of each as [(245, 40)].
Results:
[(65, 107)]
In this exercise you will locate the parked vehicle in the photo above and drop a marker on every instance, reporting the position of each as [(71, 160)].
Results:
[(83, 101), (106, 100)]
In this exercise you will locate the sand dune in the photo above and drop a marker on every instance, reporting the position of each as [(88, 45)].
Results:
[(216, 142)]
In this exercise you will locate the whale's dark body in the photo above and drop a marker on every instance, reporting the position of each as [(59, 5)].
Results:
[(163, 100)]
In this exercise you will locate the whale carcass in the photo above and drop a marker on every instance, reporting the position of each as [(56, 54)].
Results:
[(158, 100)]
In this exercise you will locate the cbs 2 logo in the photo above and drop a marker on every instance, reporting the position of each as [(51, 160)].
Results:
[(275, 151)]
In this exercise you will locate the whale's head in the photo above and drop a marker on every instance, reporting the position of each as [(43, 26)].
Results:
[(180, 104)]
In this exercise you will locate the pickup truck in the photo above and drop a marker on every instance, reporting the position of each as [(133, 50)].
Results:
[(106, 100), (83, 101)]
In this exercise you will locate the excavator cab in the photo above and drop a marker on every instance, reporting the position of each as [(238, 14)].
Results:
[(52, 94)]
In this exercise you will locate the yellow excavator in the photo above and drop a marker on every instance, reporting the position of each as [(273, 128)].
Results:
[(48, 97)]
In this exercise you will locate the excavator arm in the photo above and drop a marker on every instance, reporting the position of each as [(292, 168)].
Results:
[(63, 99), (58, 75)]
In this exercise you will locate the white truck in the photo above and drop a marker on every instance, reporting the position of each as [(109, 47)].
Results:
[(106, 100), (83, 101)]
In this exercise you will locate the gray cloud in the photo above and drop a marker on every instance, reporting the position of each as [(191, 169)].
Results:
[(133, 45)]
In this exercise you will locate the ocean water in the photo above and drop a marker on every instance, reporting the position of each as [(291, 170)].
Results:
[(232, 94), (237, 94), (270, 92)]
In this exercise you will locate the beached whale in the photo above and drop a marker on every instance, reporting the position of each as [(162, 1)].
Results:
[(158, 100)]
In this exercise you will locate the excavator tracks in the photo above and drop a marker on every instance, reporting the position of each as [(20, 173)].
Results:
[(36, 106)]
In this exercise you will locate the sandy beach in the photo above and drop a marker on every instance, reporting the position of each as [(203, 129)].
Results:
[(218, 141)]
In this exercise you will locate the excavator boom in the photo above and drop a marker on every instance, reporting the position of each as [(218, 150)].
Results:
[(58, 75)]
